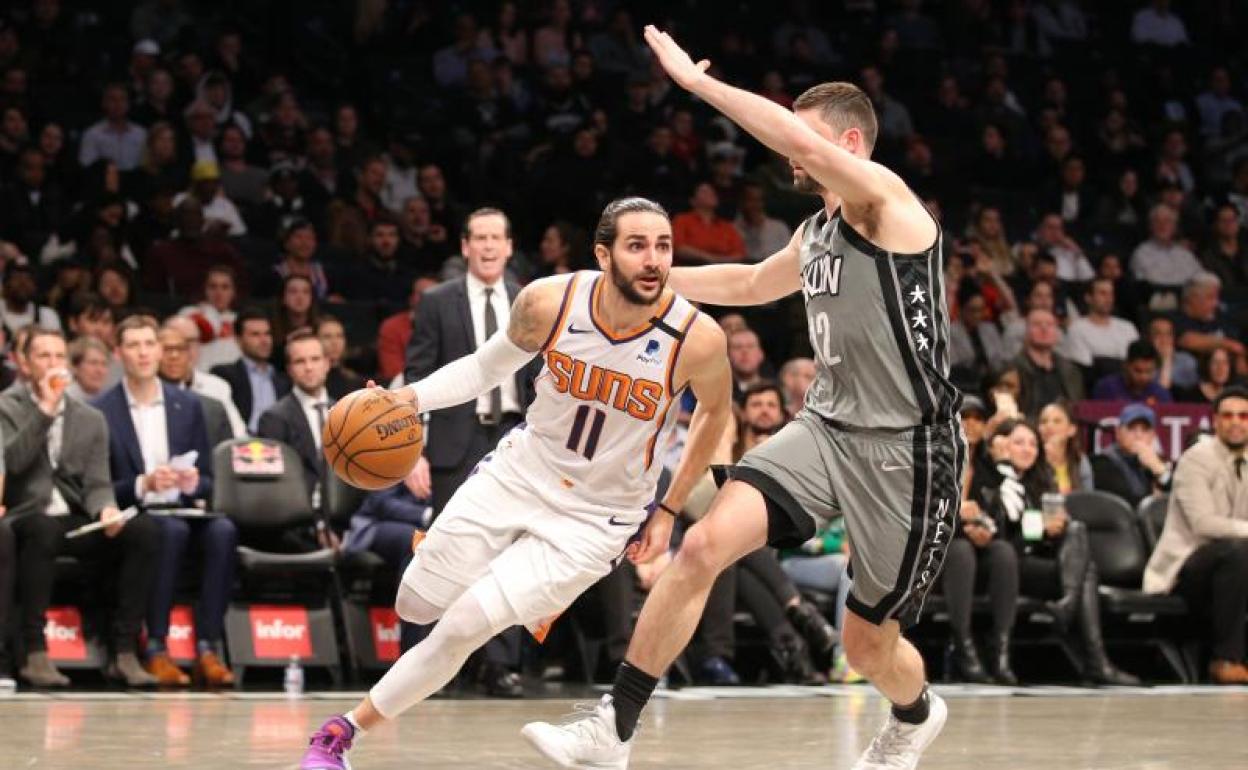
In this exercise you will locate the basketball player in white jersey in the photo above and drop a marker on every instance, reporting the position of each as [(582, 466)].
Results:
[(877, 440), (553, 508)]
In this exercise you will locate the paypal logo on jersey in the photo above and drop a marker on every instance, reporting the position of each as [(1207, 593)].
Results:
[(651, 354)]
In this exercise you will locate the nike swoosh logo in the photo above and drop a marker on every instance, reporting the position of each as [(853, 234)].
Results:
[(885, 466), (573, 330), (616, 523)]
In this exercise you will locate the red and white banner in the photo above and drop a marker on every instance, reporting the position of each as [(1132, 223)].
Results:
[(1177, 424), (181, 639), (384, 623), (64, 634), (279, 632)]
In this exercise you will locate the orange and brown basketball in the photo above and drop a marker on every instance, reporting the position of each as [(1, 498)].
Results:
[(372, 440)]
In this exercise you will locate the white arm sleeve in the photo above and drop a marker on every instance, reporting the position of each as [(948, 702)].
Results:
[(466, 378)]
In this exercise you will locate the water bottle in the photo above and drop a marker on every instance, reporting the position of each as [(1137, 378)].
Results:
[(293, 681)]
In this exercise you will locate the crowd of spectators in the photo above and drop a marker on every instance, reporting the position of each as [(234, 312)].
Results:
[(277, 189)]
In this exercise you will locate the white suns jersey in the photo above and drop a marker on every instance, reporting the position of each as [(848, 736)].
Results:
[(606, 403)]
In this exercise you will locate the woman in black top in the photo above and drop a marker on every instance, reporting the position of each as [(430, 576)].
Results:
[(1055, 560)]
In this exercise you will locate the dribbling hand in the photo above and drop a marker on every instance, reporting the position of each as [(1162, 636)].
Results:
[(402, 395)]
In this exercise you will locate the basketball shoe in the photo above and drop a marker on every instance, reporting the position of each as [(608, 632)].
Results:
[(587, 740), (328, 746), (898, 745)]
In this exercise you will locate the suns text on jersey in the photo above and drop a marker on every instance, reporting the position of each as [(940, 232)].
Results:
[(638, 398)]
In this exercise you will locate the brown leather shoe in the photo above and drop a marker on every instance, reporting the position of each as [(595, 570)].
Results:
[(166, 671), (209, 671), (1227, 672)]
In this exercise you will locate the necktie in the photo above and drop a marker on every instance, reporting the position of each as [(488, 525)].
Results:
[(1239, 469), (491, 326), (319, 406)]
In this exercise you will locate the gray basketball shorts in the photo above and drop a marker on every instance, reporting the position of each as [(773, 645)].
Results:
[(898, 492)]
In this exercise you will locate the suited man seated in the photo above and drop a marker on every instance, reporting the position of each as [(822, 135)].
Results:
[(177, 370), (150, 424), (255, 383), (57, 479), (297, 417), (192, 377)]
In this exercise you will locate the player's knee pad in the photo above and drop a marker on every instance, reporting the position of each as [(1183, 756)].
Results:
[(414, 608)]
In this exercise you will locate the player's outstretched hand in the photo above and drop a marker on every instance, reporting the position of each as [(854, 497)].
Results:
[(655, 539), (679, 66)]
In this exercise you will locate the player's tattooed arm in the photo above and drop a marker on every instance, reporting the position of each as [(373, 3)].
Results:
[(534, 312)]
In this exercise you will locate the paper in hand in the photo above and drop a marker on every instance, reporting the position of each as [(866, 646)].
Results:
[(87, 529)]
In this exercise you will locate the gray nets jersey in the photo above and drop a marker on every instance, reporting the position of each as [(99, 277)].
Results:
[(879, 327)]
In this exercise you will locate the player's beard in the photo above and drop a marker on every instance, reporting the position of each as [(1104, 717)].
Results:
[(629, 291), (805, 183)]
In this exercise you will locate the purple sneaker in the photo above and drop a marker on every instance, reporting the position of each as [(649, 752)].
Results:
[(328, 746)]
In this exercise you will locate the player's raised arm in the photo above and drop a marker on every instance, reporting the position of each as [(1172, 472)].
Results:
[(704, 365), (532, 316), (776, 277), (857, 181)]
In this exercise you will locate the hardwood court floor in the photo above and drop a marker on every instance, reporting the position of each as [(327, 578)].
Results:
[(1156, 729)]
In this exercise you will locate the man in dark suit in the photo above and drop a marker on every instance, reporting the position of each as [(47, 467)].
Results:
[(298, 417), (254, 382), (151, 424), (453, 319), (56, 461)]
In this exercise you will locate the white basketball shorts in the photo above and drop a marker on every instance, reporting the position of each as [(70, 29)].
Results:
[(516, 522)]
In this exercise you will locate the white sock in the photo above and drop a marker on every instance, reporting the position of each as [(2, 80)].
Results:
[(427, 667), (350, 717)]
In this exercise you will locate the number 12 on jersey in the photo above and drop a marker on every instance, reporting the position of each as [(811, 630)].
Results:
[(578, 430)]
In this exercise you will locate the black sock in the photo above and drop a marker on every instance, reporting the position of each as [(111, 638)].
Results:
[(630, 693), (916, 713)]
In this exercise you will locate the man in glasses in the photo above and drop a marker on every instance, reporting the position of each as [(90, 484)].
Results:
[(1202, 554)]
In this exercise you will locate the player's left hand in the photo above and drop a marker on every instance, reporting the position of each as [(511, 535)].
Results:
[(675, 61), (655, 539)]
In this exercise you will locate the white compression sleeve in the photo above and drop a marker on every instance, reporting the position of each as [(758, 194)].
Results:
[(466, 378)]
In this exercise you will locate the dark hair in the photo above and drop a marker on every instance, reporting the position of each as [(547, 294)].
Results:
[(1141, 350), (33, 332), (1074, 445), (382, 220), (302, 334), (1037, 479), (251, 314), (1230, 391), (222, 269), (842, 106), (89, 304), (485, 211), (1205, 366), (608, 224), (763, 386)]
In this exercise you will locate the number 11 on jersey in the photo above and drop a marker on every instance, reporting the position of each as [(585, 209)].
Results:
[(578, 430)]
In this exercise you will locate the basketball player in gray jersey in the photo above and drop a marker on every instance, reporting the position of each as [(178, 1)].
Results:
[(877, 440)]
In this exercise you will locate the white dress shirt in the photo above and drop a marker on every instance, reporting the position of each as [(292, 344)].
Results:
[(152, 431), (56, 503), (308, 402), (211, 386), (502, 310)]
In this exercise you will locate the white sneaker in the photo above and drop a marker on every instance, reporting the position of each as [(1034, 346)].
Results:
[(587, 740), (898, 745)]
